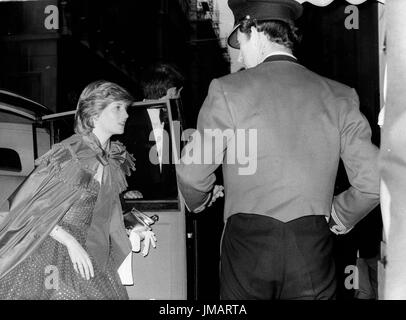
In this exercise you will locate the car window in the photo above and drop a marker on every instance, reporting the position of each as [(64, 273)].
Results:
[(10, 160)]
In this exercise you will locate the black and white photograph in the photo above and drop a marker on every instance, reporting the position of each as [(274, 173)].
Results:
[(208, 152)]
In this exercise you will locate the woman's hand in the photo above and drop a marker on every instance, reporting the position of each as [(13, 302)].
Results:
[(149, 239), (133, 194), (142, 234), (80, 259), (141, 230)]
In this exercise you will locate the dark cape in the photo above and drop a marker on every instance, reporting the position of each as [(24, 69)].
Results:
[(60, 178)]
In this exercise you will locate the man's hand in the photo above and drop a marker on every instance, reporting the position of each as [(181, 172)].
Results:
[(133, 194), (335, 224), (218, 192)]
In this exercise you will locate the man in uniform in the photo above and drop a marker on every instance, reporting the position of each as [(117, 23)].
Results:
[(277, 243)]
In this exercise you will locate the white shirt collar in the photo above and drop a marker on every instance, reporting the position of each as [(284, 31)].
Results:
[(154, 115), (276, 53)]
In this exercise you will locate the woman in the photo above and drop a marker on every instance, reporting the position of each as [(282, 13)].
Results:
[(64, 237)]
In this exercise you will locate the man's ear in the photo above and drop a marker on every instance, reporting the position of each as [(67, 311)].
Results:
[(263, 42)]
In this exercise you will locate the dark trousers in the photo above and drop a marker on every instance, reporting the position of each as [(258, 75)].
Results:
[(264, 258)]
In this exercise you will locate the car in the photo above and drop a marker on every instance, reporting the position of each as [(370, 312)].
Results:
[(21, 141)]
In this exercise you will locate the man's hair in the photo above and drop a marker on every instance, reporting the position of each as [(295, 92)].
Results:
[(94, 99), (160, 77), (280, 32)]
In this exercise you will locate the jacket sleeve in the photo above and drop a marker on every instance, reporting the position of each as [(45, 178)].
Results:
[(360, 158), (205, 152)]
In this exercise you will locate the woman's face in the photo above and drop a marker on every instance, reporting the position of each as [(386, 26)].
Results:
[(112, 119)]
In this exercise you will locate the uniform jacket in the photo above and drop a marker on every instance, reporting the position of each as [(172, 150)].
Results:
[(56, 183), (304, 124)]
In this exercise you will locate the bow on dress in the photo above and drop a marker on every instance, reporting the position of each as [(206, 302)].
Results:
[(115, 155)]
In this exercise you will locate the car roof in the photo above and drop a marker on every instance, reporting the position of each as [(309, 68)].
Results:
[(17, 104)]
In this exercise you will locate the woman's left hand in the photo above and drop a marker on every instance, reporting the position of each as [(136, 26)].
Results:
[(142, 234), (149, 239)]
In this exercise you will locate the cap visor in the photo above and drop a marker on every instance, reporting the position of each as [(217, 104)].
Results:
[(232, 38)]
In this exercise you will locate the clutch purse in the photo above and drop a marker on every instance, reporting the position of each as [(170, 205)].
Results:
[(135, 218)]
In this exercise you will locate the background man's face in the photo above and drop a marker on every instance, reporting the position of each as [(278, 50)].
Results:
[(172, 93)]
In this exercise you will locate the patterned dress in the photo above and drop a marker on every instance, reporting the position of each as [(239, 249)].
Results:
[(48, 272)]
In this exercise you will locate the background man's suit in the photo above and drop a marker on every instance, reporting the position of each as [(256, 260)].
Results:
[(153, 181)]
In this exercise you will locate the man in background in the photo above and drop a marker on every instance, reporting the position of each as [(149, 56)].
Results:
[(147, 136)]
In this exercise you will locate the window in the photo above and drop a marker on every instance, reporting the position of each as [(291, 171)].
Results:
[(9, 160)]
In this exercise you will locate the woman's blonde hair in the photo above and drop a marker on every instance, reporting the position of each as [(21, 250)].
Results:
[(93, 99)]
